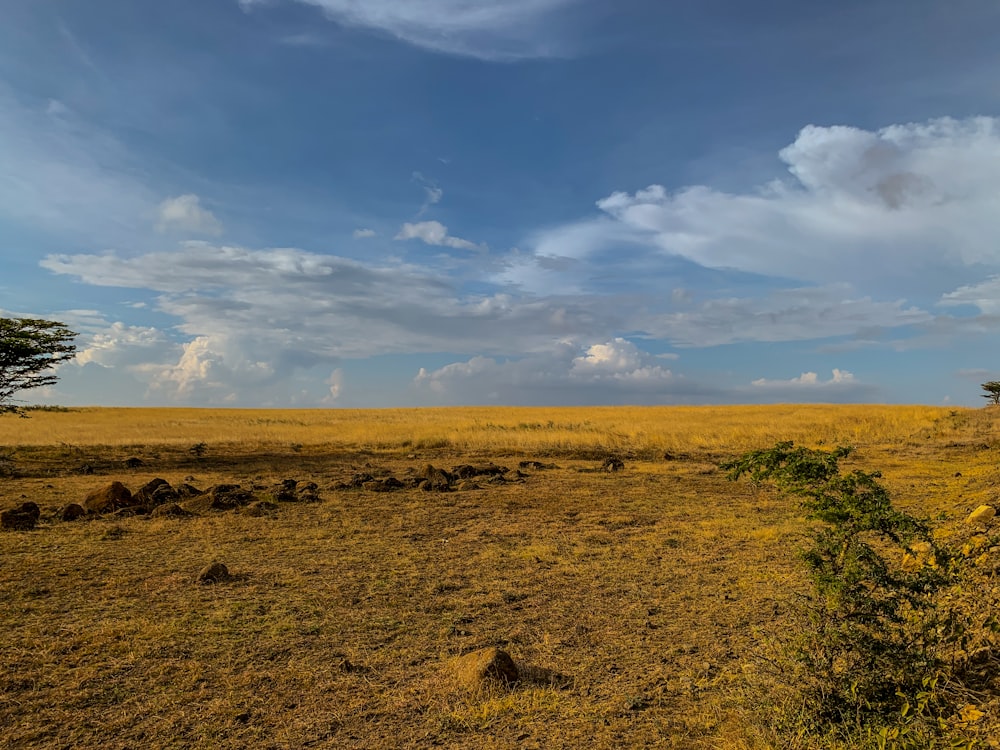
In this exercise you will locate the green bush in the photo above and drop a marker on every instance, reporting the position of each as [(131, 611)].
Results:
[(881, 658)]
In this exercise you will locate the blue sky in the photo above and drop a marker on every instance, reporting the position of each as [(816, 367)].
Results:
[(420, 202)]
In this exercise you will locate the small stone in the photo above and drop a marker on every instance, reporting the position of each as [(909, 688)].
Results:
[(612, 463), (170, 510), (981, 515), (260, 508), (72, 512), (214, 573)]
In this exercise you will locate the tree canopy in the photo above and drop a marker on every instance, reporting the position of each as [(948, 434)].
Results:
[(29, 349), (992, 389)]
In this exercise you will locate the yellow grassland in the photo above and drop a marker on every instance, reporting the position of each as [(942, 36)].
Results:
[(657, 592), (504, 430)]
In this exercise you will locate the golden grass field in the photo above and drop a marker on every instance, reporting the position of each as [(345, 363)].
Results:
[(647, 591)]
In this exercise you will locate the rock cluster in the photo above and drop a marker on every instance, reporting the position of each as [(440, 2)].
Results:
[(434, 479)]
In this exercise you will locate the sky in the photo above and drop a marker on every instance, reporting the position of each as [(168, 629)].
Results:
[(331, 203)]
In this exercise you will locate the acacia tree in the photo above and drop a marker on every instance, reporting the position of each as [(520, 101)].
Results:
[(29, 349), (992, 389)]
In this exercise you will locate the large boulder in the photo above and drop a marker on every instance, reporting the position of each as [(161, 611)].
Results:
[(108, 499), (22, 518)]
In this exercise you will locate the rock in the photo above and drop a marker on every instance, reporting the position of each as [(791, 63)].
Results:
[(108, 499), (22, 518), (86, 469), (260, 508), (170, 510), (186, 491), (220, 497), (72, 512), (612, 463), (485, 665), (214, 573), (308, 492), (466, 471), (284, 491), (467, 485), (134, 463), (357, 481), (981, 515), (435, 480), (155, 492)]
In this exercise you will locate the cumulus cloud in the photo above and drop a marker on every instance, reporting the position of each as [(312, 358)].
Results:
[(808, 380), (613, 372), (185, 214), (360, 234), (495, 30), (434, 233), (841, 387), (857, 205), (121, 345)]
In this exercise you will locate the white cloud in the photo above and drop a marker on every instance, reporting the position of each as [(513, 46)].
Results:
[(613, 372), (808, 380), (185, 214), (121, 345), (217, 368), (858, 206), (336, 384), (841, 387), (434, 233), (296, 309), (253, 317), (493, 30), (432, 193), (360, 234), (800, 314), (984, 295)]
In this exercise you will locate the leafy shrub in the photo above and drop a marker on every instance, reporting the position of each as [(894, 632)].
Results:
[(882, 660)]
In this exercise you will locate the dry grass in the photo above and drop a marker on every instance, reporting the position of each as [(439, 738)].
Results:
[(500, 431), (647, 589)]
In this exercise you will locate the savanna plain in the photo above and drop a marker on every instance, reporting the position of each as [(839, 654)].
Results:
[(636, 588)]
